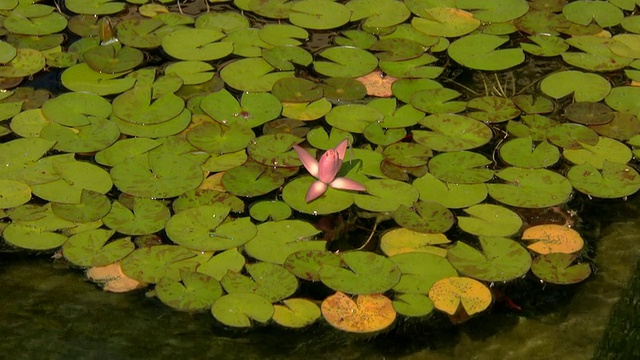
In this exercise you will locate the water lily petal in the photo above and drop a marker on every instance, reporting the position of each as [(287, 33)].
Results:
[(341, 148), (315, 190), (310, 163), (347, 184), (329, 166)]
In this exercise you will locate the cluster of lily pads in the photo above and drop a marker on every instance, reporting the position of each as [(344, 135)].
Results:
[(174, 156)]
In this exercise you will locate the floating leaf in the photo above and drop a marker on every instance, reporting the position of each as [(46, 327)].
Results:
[(306, 264), (253, 75), (238, 310), (81, 77), (451, 195), (270, 210), (425, 217), (345, 62), (479, 52), (26, 62), (501, 259), (76, 108), (492, 109), (113, 58), (494, 10), (193, 291), (530, 188), (412, 304), (437, 101), (92, 206), (319, 16), (584, 12), (490, 220), (13, 193), (253, 110), (90, 248), (420, 271), (553, 238), (94, 7), (449, 293), (445, 21), (557, 269), (218, 266), (452, 132), (145, 216), (605, 150), (296, 313), (216, 138), (583, 86), (152, 264), (615, 180), (572, 136), (407, 154), (386, 195), (276, 240), (196, 44), (253, 179), (521, 152), (136, 106), (271, 281), (365, 273), (75, 176), (368, 313)]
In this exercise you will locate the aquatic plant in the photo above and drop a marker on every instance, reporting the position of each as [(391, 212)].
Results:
[(169, 155)]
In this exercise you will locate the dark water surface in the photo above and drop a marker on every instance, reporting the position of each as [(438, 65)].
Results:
[(52, 312)]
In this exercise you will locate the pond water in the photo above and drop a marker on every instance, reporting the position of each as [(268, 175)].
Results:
[(193, 127)]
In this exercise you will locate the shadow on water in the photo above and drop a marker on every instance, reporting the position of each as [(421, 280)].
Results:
[(53, 313)]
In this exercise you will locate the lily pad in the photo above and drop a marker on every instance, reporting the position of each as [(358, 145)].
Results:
[(136, 106), (81, 77), (572, 136), (378, 14), (306, 264), (584, 12), (276, 240), (530, 188), (445, 21), (252, 74), (553, 238), (521, 152), (492, 109), (478, 51), (254, 109), (407, 154), (452, 132), (332, 201), (238, 310), (97, 135), (365, 273), (274, 150), (202, 228), (154, 263), (91, 248), (271, 281), (75, 176), (296, 313), (451, 195), (113, 58), (216, 138), (412, 304), (319, 16), (343, 61), (26, 62), (270, 210), (583, 86), (424, 217), (196, 44), (437, 101), (605, 150), (93, 206), (76, 108), (368, 313), (615, 180), (386, 196), (353, 117), (449, 293), (140, 216), (501, 259), (253, 179), (420, 270), (193, 291), (557, 269), (218, 266), (490, 220), (461, 167), (157, 175), (14, 193)]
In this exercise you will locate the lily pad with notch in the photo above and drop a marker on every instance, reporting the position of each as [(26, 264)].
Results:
[(271, 281), (332, 201), (445, 21), (353, 117), (216, 138), (75, 108), (522, 152), (451, 195), (113, 58), (196, 44), (170, 127), (420, 270), (297, 90), (572, 136), (437, 101), (412, 304), (154, 263), (558, 269), (478, 51), (386, 195), (253, 179), (343, 61), (27, 62), (93, 248), (583, 86), (276, 240), (296, 312), (530, 188), (99, 134), (401, 240), (92, 206), (270, 210), (492, 109), (553, 238), (306, 264), (615, 180), (366, 314), (425, 217), (310, 14), (378, 14), (450, 293), (252, 75), (275, 150), (139, 107), (407, 154), (365, 273), (451, 132), (193, 291), (218, 265), (197, 197), (461, 167), (81, 78), (238, 310), (306, 111), (534, 126), (75, 176), (254, 109), (605, 150), (204, 228), (137, 216)]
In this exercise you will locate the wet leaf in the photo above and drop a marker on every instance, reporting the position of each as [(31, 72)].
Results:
[(479, 52), (461, 167), (424, 217), (450, 132), (296, 313), (530, 188), (490, 220), (615, 180), (368, 313), (238, 310), (451, 195), (553, 238), (91, 248), (278, 239), (558, 269), (450, 293), (306, 264), (144, 216), (193, 291)]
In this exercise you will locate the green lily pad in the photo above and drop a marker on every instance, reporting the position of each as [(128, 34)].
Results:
[(306, 111), (141, 216), (93, 206), (353, 117), (622, 127), (90, 248), (274, 150), (545, 45), (253, 179), (615, 180), (378, 14), (81, 78), (113, 58), (622, 98), (75, 108), (437, 101), (296, 312), (331, 201), (19, 154), (197, 197), (461, 167), (225, 21), (14, 193), (193, 291), (365, 273), (407, 154), (271, 281), (595, 54), (420, 271), (572, 136), (170, 127), (306, 264), (412, 304), (35, 24), (94, 7), (445, 21), (521, 152), (75, 176), (124, 149), (270, 210), (589, 113), (238, 310), (386, 195), (584, 12), (157, 175), (297, 90), (492, 109), (26, 62), (8, 52), (490, 220), (424, 217), (254, 109), (218, 266), (252, 75), (216, 138), (535, 126), (97, 135), (196, 44), (140, 33), (412, 68), (310, 14), (396, 117), (583, 86), (605, 150), (451, 195), (378, 135), (343, 61), (154, 263), (319, 139), (557, 269), (191, 72), (344, 89), (401, 240), (276, 240), (501, 259), (202, 228), (28, 236), (494, 10), (530, 188), (225, 162), (136, 106), (451, 132), (396, 49), (478, 51)]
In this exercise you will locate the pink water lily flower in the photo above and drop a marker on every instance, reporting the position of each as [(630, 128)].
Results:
[(326, 170)]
